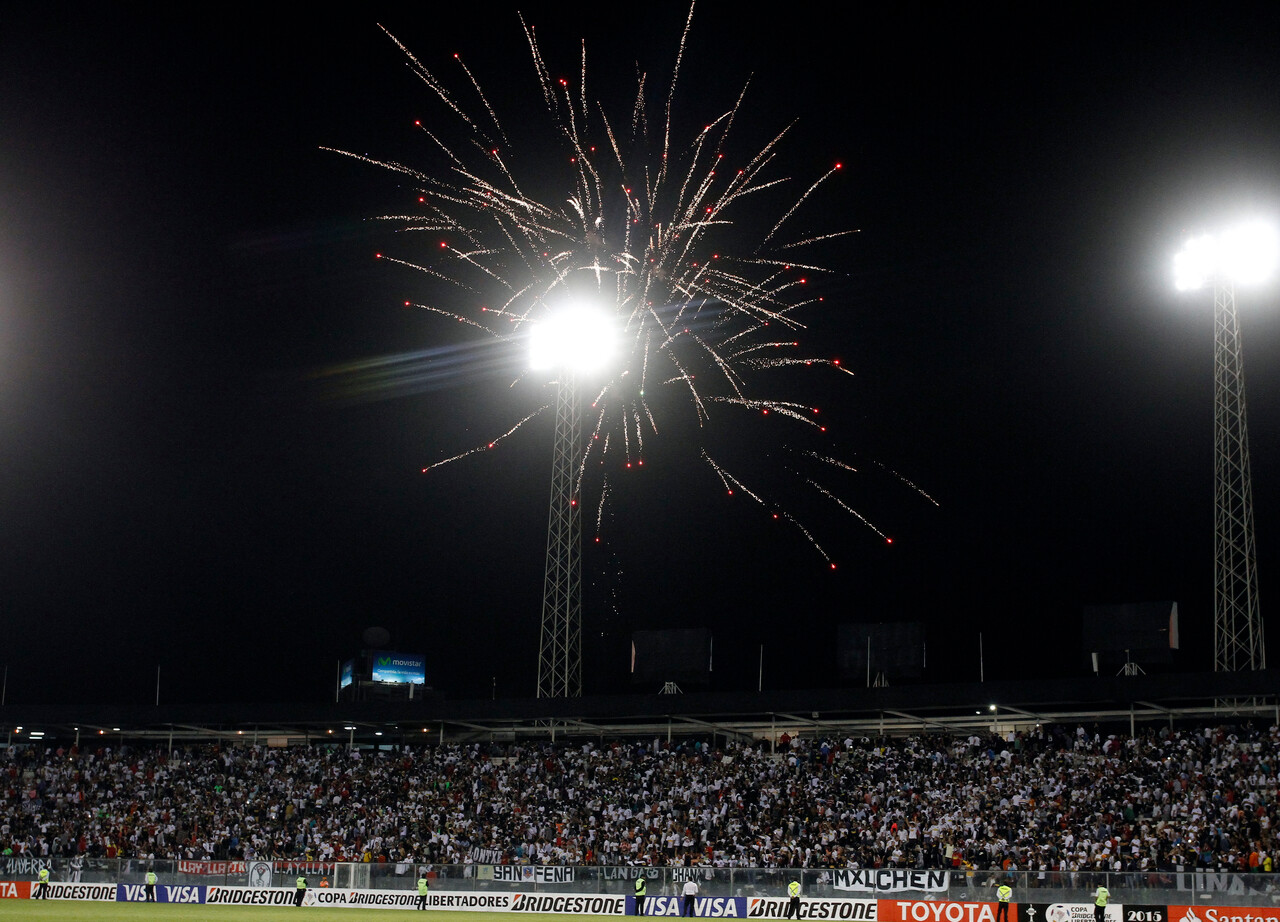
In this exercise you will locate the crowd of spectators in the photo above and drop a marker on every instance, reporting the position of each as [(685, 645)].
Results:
[(1038, 801)]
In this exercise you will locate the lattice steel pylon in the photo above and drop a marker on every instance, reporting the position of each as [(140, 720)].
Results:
[(1237, 633), (560, 650)]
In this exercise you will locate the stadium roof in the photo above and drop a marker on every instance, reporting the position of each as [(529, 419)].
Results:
[(1204, 697)]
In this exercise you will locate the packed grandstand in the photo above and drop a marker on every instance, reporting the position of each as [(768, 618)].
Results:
[(1045, 801)]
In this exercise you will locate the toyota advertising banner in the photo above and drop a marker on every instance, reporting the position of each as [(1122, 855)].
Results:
[(942, 911)]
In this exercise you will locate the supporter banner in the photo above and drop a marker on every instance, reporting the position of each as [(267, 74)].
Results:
[(220, 868), (81, 891), (1202, 881), (1080, 912), (1223, 914), (625, 873), (863, 910), (15, 889), (942, 911), (532, 874), (680, 875), (890, 880), (485, 855), (713, 907), (299, 868), (137, 893), (20, 866)]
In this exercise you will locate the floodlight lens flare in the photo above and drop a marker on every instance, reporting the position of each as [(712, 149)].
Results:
[(1196, 263), (576, 337), (1249, 252), (1246, 254)]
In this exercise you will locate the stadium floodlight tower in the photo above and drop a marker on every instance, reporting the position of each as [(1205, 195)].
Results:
[(574, 340), (1243, 255)]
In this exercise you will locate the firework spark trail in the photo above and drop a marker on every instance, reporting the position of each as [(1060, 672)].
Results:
[(427, 78), (800, 201), (475, 85), (818, 239), (906, 482), (730, 482), (544, 75), (452, 316), (639, 220), (834, 462), (847, 508), (384, 164), (783, 362), (604, 498), (783, 408), (487, 445)]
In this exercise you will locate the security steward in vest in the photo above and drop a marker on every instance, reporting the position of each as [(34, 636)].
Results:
[(42, 885), (793, 899), (300, 892), (1004, 893), (150, 886), (640, 894), (1100, 904), (422, 890)]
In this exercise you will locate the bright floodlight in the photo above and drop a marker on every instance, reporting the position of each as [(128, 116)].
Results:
[(577, 337), (1245, 255)]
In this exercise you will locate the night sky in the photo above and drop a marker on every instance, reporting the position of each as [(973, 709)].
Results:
[(197, 471)]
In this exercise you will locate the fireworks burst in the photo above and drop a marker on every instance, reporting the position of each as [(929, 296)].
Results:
[(649, 228)]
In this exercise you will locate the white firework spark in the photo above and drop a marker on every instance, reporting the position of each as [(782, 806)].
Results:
[(667, 236)]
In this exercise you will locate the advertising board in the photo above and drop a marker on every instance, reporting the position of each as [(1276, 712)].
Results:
[(776, 908), (942, 911), (1084, 912), (1211, 913), (137, 893), (399, 668)]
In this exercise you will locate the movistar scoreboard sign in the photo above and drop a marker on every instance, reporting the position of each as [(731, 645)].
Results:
[(405, 668)]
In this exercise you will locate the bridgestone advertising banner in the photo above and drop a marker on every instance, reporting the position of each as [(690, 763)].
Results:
[(249, 896), (775, 908), (99, 892), (577, 904), (891, 880)]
